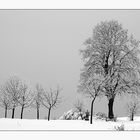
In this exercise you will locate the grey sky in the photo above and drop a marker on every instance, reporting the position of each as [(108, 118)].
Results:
[(42, 46)]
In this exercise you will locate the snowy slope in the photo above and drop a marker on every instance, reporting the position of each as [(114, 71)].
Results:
[(18, 124)]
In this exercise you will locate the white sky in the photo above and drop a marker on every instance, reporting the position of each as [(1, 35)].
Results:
[(42, 46)]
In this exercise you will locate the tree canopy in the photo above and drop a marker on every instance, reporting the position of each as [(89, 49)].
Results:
[(111, 53)]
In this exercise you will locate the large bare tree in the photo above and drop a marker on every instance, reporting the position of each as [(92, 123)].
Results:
[(112, 53), (51, 99)]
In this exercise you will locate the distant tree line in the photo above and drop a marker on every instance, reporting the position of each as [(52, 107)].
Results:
[(14, 93)]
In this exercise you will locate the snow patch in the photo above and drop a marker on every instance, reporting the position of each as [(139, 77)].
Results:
[(18, 124)]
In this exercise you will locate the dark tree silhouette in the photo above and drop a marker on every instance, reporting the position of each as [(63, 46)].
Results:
[(87, 115), (112, 53), (51, 99)]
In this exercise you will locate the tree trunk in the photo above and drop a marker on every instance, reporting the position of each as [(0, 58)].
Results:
[(81, 115), (13, 113), (6, 112), (22, 111), (132, 117), (110, 108), (49, 113), (91, 111), (37, 113)]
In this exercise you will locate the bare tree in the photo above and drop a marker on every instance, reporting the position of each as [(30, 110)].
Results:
[(4, 100), (79, 105), (38, 98), (51, 99), (111, 53), (26, 98), (13, 88), (92, 89), (133, 107)]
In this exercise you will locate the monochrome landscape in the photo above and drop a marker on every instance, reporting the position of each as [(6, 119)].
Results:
[(70, 70)]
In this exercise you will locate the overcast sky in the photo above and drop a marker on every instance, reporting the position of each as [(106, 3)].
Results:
[(42, 46)]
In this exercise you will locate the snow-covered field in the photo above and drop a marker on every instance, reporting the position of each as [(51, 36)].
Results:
[(18, 124)]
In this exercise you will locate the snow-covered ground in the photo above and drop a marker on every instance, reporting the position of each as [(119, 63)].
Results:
[(18, 124)]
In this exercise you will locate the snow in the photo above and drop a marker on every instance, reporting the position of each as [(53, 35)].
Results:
[(25, 124), (71, 120)]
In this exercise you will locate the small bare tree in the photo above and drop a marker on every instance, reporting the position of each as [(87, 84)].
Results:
[(38, 98), (51, 99), (26, 98), (4, 100), (133, 107), (93, 88), (13, 88), (79, 106)]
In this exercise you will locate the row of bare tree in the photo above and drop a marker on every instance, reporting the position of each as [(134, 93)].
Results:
[(16, 93)]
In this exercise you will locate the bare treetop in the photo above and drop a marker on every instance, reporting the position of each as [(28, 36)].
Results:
[(4, 98), (26, 96), (79, 105), (51, 98), (13, 88), (111, 52), (38, 94)]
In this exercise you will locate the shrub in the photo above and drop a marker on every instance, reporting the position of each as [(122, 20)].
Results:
[(101, 116), (119, 128)]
